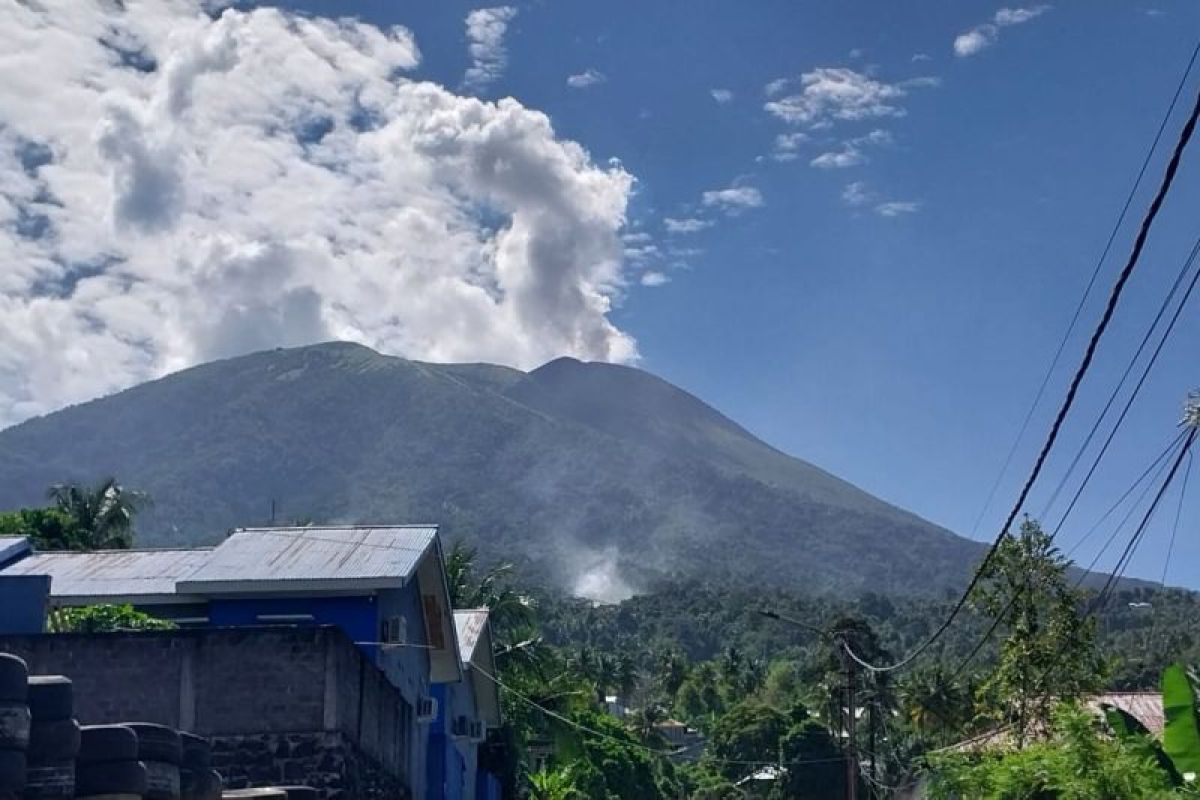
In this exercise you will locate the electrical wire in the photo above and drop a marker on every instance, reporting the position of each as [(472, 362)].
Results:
[(1110, 308), (1125, 411), (1087, 289), (637, 745), (1187, 473)]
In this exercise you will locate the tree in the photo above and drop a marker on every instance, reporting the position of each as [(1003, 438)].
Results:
[(46, 528), (1074, 762), (104, 618), (934, 703), (1048, 652), (102, 515), (490, 589)]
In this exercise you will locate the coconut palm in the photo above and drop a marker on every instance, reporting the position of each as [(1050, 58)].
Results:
[(469, 588), (102, 515)]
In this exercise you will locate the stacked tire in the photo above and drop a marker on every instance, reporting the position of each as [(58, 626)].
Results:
[(197, 779), (107, 765), (161, 751), (53, 739), (14, 724)]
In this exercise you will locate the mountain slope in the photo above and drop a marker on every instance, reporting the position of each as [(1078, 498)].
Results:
[(587, 475)]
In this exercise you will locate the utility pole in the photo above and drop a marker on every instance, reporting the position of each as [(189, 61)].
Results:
[(851, 722)]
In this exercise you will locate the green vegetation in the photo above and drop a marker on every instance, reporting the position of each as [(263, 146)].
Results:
[(104, 618), (82, 518)]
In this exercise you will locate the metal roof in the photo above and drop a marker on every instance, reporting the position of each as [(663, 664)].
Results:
[(107, 575), (313, 558), (469, 626), (12, 546)]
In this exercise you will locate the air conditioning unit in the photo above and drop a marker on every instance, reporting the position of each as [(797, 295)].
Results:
[(395, 631), (427, 709), (477, 731), (461, 727)]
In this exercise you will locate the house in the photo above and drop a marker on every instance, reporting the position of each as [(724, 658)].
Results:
[(466, 712), (686, 743), (383, 586)]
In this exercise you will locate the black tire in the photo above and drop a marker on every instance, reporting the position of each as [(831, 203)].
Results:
[(14, 677), (162, 780), (157, 743), (301, 792), (110, 777), (50, 697), (216, 785), (53, 740), (49, 780), (197, 752), (12, 770), (254, 794), (14, 726), (98, 743)]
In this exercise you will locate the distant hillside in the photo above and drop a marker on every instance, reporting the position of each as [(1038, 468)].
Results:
[(587, 476)]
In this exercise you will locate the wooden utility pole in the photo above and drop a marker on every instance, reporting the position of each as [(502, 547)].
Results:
[(851, 724)]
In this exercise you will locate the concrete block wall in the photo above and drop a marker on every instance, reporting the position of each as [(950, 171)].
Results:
[(272, 691)]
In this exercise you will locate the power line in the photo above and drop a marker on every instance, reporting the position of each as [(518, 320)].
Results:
[(1187, 473), (1087, 289), (1134, 540), (1069, 401), (1162, 309)]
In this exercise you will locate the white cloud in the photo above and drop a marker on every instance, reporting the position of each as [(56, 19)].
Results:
[(654, 278), (589, 77), (895, 208), (1016, 16), (983, 36), (722, 95), (919, 57), (857, 194), (976, 39), (834, 93), (176, 188), (485, 36), (848, 156), (687, 225), (734, 199), (851, 154)]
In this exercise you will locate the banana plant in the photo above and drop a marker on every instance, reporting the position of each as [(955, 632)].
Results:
[(1179, 752)]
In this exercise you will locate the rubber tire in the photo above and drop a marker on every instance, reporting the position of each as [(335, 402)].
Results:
[(12, 770), (202, 784), (14, 679), (98, 743), (157, 742), (51, 697), (53, 740), (255, 794), (111, 777), (162, 780), (14, 726), (300, 792), (197, 751), (49, 780)]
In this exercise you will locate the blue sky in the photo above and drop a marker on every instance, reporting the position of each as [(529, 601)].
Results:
[(898, 352), (860, 233)]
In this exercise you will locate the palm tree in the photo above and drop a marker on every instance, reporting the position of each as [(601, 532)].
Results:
[(102, 515), (508, 610)]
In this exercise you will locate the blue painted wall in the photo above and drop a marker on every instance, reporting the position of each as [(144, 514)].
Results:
[(357, 616), (452, 762), (408, 670), (23, 601)]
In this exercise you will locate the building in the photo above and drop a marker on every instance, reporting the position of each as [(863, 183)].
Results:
[(466, 712), (383, 586)]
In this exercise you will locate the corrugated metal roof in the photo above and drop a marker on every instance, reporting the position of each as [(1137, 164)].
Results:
[(469, 625), (111, 573), (357, 556), (12, 546)]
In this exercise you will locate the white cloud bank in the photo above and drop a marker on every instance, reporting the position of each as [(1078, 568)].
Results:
[(983, 36), (485, 43), (176, 188)]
